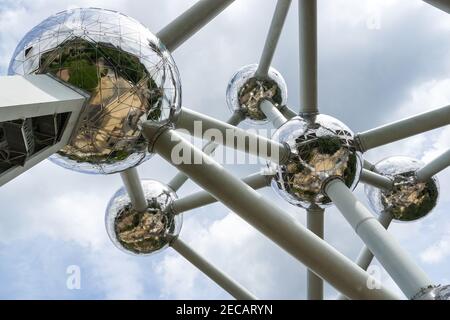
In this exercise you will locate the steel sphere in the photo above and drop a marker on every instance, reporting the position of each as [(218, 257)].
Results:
[(143, 233), (321, 148), (409, 200), (434, 293), (128, 73), (245, 92)]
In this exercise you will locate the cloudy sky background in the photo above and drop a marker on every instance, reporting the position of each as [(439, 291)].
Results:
[(380, 60)]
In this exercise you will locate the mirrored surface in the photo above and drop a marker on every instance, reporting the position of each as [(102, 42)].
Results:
[(143, 233), (128, 73), (322, 148), (409, 200), (245, 92)]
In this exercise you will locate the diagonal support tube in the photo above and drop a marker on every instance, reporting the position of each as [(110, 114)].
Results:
[(376, 180), (198, 124), (434, 167), (307, 13), (365, 257), (272, 113), (403, 129), (273, 37), (315, 223), (269, 219), (134, 189), (199, 199), (177, 182), (444, 5), (287, 112), (403, 270), (191, 21), (220, 278)]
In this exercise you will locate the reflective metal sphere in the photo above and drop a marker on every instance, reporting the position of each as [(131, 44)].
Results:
[(245, 92), (321, 148), (143, 233), (437, 293), (129, 74), (409, 200)]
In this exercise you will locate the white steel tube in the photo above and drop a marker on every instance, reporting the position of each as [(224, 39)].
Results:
[(376, 180), (284, 230), (307, 12), (191, 21), (444, 5), (403, 129), (232, 137), (287, 112), (272, 113), (134, 189), (365, 257), (406, 274), (219, 277), (177, 182), (315, 223), (434, 167), (368, 166), (199, 199), (273, 37)]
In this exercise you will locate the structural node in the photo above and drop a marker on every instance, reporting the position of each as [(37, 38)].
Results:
[(409, 199), (322, 148), (129, 75), (143, 232), (245, 92)]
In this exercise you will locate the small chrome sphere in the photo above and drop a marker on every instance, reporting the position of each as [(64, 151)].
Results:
[(143, 233), (245, 92), (127, 72), (321, 148), (409, 200)]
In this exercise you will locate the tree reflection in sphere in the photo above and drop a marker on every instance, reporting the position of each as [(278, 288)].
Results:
[(128, 73), (322, 148), (143, 233), (245, 92), (409, 200)]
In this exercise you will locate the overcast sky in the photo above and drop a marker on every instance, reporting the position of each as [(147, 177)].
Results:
[(380, 60)]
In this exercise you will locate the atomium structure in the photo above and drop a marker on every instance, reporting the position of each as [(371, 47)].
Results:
[(98, 93)]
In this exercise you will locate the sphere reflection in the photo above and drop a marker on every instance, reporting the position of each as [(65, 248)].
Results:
[(128, 73), (321, 148), (245, 92), (143, 233), (409, 200)]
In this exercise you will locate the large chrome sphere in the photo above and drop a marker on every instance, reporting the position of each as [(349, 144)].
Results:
[(143, 233), (245, 92), (409, 200), (128, 73), (322, 148), (436, 293)]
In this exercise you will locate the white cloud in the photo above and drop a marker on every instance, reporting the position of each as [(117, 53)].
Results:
[(119, 276), (439, 251)]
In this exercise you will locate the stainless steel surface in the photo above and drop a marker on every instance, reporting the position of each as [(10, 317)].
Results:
[(246, 91), (143, 232), (128, 74), (408, 199), (321, 148)]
